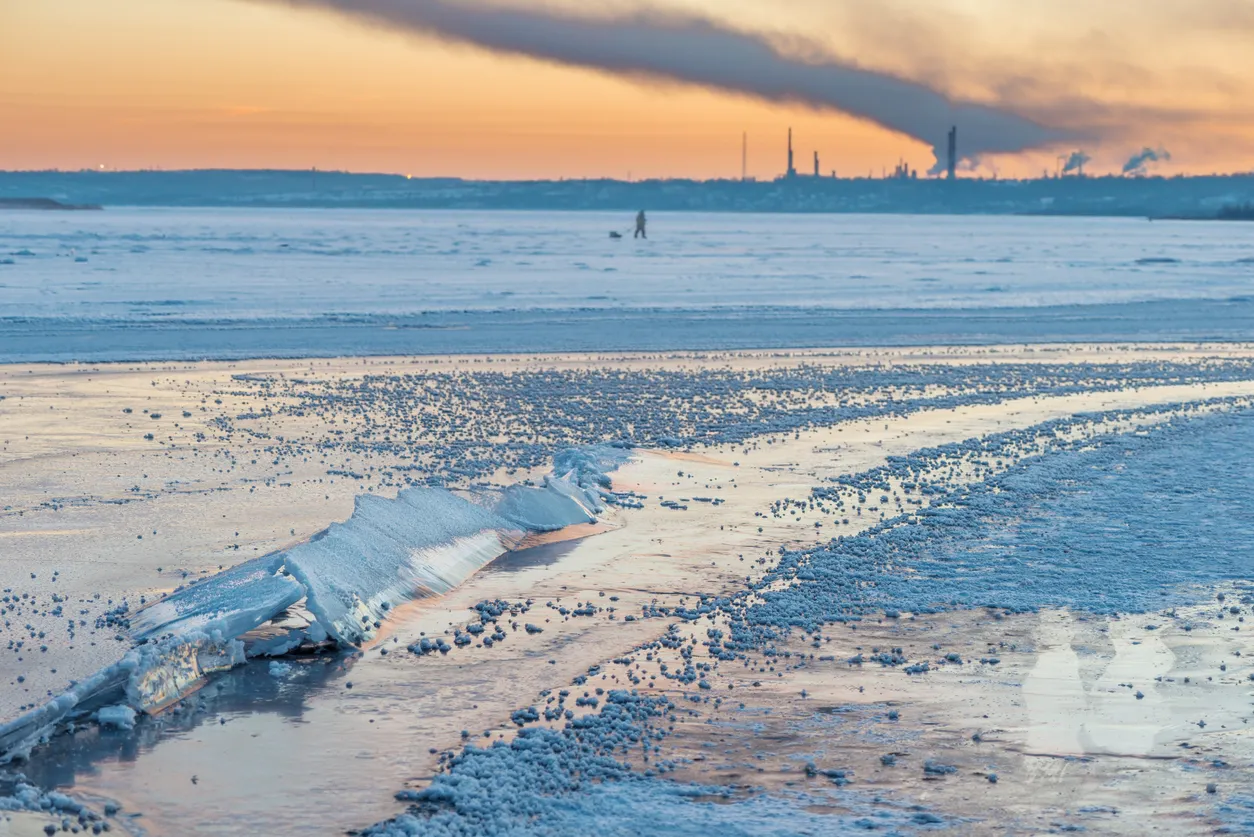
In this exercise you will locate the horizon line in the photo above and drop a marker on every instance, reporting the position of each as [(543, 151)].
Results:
[(783, 177)]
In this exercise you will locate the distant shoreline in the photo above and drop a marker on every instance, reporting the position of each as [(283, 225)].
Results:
[(1140, 197), (47, 204)]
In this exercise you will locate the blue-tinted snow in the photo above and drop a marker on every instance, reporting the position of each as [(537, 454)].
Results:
[(241, 264), (1123, 522), (60, 340), (460, 436), (547, 783)]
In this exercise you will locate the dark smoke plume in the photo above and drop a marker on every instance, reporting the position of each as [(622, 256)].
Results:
[(1139, 162), (1076, 162), (703, 52)]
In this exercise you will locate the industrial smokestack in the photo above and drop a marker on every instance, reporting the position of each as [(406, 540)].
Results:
[(816, 164), (792, 169), (953, 152)]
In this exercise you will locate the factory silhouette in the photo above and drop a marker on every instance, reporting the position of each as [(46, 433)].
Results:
[(1135, 191), (902, 171)]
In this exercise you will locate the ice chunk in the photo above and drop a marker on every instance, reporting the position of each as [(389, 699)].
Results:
[(231, 603), (555, 506), (108, 685), (280, 670), (118, 717), (426, 541), (589, 466), (163, 672), (284, 643)]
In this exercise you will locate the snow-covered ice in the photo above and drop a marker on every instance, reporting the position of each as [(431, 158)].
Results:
[(267, 263), (299, 283)]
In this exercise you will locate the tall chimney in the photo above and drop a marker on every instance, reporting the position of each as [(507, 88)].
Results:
[(953, 152), (792, 169), (816, 164)]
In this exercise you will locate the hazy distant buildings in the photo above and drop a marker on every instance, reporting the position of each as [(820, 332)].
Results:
[(902, 189), (902, 171), (791, 173)]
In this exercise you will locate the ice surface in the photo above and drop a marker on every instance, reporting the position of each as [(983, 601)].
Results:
[(246, 263), (551, 782), (1113, 521), (61, 340), (426, 540), (317, 281), (662, 807)]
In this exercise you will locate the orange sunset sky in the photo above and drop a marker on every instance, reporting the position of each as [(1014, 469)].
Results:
[(168, 84)]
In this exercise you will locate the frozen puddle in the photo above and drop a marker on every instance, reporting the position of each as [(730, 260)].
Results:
[(1072, 716)]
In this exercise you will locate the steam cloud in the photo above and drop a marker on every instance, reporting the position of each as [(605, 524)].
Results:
[(1076, 162), (1139, 162), (703, 52)]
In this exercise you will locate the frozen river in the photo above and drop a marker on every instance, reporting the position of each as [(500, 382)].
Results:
[(824, 592), (179, 283)]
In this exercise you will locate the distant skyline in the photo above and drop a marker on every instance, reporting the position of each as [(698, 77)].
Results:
[(439, 88)]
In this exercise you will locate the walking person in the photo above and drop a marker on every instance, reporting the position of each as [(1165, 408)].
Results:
[(641, 221)]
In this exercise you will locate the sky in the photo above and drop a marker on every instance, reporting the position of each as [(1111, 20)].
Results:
[(533, 89)]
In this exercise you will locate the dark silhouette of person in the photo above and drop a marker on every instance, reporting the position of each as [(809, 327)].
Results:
[(640, 224)]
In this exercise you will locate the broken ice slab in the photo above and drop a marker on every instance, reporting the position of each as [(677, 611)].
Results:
[(232, 602)]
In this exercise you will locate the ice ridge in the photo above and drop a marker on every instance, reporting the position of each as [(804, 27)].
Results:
[(349, 577)]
